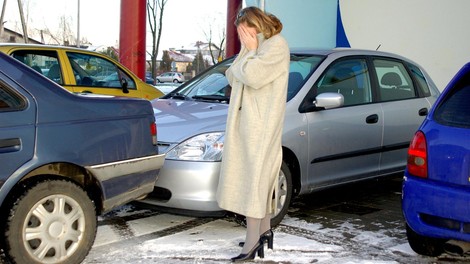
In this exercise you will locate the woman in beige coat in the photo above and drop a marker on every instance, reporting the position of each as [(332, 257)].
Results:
[(252, 147)]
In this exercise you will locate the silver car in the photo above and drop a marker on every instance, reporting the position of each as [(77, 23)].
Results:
[(350, 116), (174, 77)]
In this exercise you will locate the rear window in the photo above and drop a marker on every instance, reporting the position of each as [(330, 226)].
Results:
[(9, 100), (454, 110), (421, 79)]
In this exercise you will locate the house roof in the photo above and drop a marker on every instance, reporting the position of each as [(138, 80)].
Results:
[(179, 57), (198, 45)]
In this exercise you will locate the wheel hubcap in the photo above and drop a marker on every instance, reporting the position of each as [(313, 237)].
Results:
[(56, 229), (53, 229), (282, 193)]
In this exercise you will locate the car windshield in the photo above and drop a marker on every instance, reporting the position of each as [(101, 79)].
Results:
[(213, 86)]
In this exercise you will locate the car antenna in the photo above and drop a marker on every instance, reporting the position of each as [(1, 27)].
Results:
[(378, 47)]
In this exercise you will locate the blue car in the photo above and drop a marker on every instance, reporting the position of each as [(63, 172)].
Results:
[(436, 187), (64, 159)]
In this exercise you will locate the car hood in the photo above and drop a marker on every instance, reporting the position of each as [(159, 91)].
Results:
[(178, 120)]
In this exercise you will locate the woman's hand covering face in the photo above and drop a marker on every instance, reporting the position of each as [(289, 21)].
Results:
[(247, 36)]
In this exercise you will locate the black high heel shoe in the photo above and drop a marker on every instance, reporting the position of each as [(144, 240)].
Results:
[(266, 237), (258, 248)]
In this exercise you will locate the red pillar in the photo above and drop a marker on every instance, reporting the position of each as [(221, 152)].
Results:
[(132, 36), (233, 43)]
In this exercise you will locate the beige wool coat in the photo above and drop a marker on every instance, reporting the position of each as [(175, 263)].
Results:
[(252, 153)]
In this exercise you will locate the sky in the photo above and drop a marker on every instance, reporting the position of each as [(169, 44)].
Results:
[(184, 21)]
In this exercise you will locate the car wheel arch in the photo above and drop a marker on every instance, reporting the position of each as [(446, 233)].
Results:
[(70, 171), (293, 163), (427, 246), (288, 186)]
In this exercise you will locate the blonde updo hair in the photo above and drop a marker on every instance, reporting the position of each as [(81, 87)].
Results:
[(265, 23)]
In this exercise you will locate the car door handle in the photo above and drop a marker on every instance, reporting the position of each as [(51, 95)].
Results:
[(423, 112), (10, 145), (372, 119)]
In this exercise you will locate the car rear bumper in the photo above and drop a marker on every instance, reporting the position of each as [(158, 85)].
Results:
[(127, 180), (187, 186), (436, 210)]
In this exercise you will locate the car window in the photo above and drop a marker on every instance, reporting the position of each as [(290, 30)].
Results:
[(9, 100), (94, 71), (349, 77), (394, 81), (454, 110), (420, 79), (214, 83), (45, 62), (300, 69)]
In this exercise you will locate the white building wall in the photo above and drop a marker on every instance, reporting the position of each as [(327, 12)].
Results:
[(433, 33)]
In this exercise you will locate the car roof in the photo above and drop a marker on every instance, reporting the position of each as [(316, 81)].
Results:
[(344, 52), (44, 46), (297, 50)]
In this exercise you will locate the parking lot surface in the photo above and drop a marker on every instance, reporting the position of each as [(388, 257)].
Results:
[(358, 223)]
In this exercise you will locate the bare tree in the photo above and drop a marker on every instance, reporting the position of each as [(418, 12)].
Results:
[(155, 11), (66, 31), (53, 37), (219, 54), (23, 22)]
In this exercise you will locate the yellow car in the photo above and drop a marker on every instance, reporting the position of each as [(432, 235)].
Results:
[(81, 71)]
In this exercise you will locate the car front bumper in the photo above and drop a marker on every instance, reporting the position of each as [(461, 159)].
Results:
[(127, 180), (435, 210), (189, 186)]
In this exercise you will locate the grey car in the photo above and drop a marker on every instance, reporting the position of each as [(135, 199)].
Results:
[(174, 77), (350, 116)]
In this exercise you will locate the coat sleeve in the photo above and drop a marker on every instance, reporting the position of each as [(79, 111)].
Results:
[(228, 72), (262, 66)]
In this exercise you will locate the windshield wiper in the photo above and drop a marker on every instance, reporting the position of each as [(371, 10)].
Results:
[(213, 97), (178, 96)]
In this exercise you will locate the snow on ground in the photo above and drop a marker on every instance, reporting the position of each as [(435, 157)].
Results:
[(314, 231), (167, 238)]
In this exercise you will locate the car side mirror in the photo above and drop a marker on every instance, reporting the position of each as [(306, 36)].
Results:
[(329, 100), (124, 85)]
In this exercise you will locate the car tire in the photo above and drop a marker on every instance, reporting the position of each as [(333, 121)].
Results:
[(158, 81), (53, 221), (284, 195), (427, 246), (175, 81)]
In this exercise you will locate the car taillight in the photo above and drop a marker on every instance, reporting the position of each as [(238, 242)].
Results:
[(153, 131), (417, 164)]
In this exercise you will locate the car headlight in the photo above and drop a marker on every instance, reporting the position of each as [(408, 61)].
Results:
[(204, 147)]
